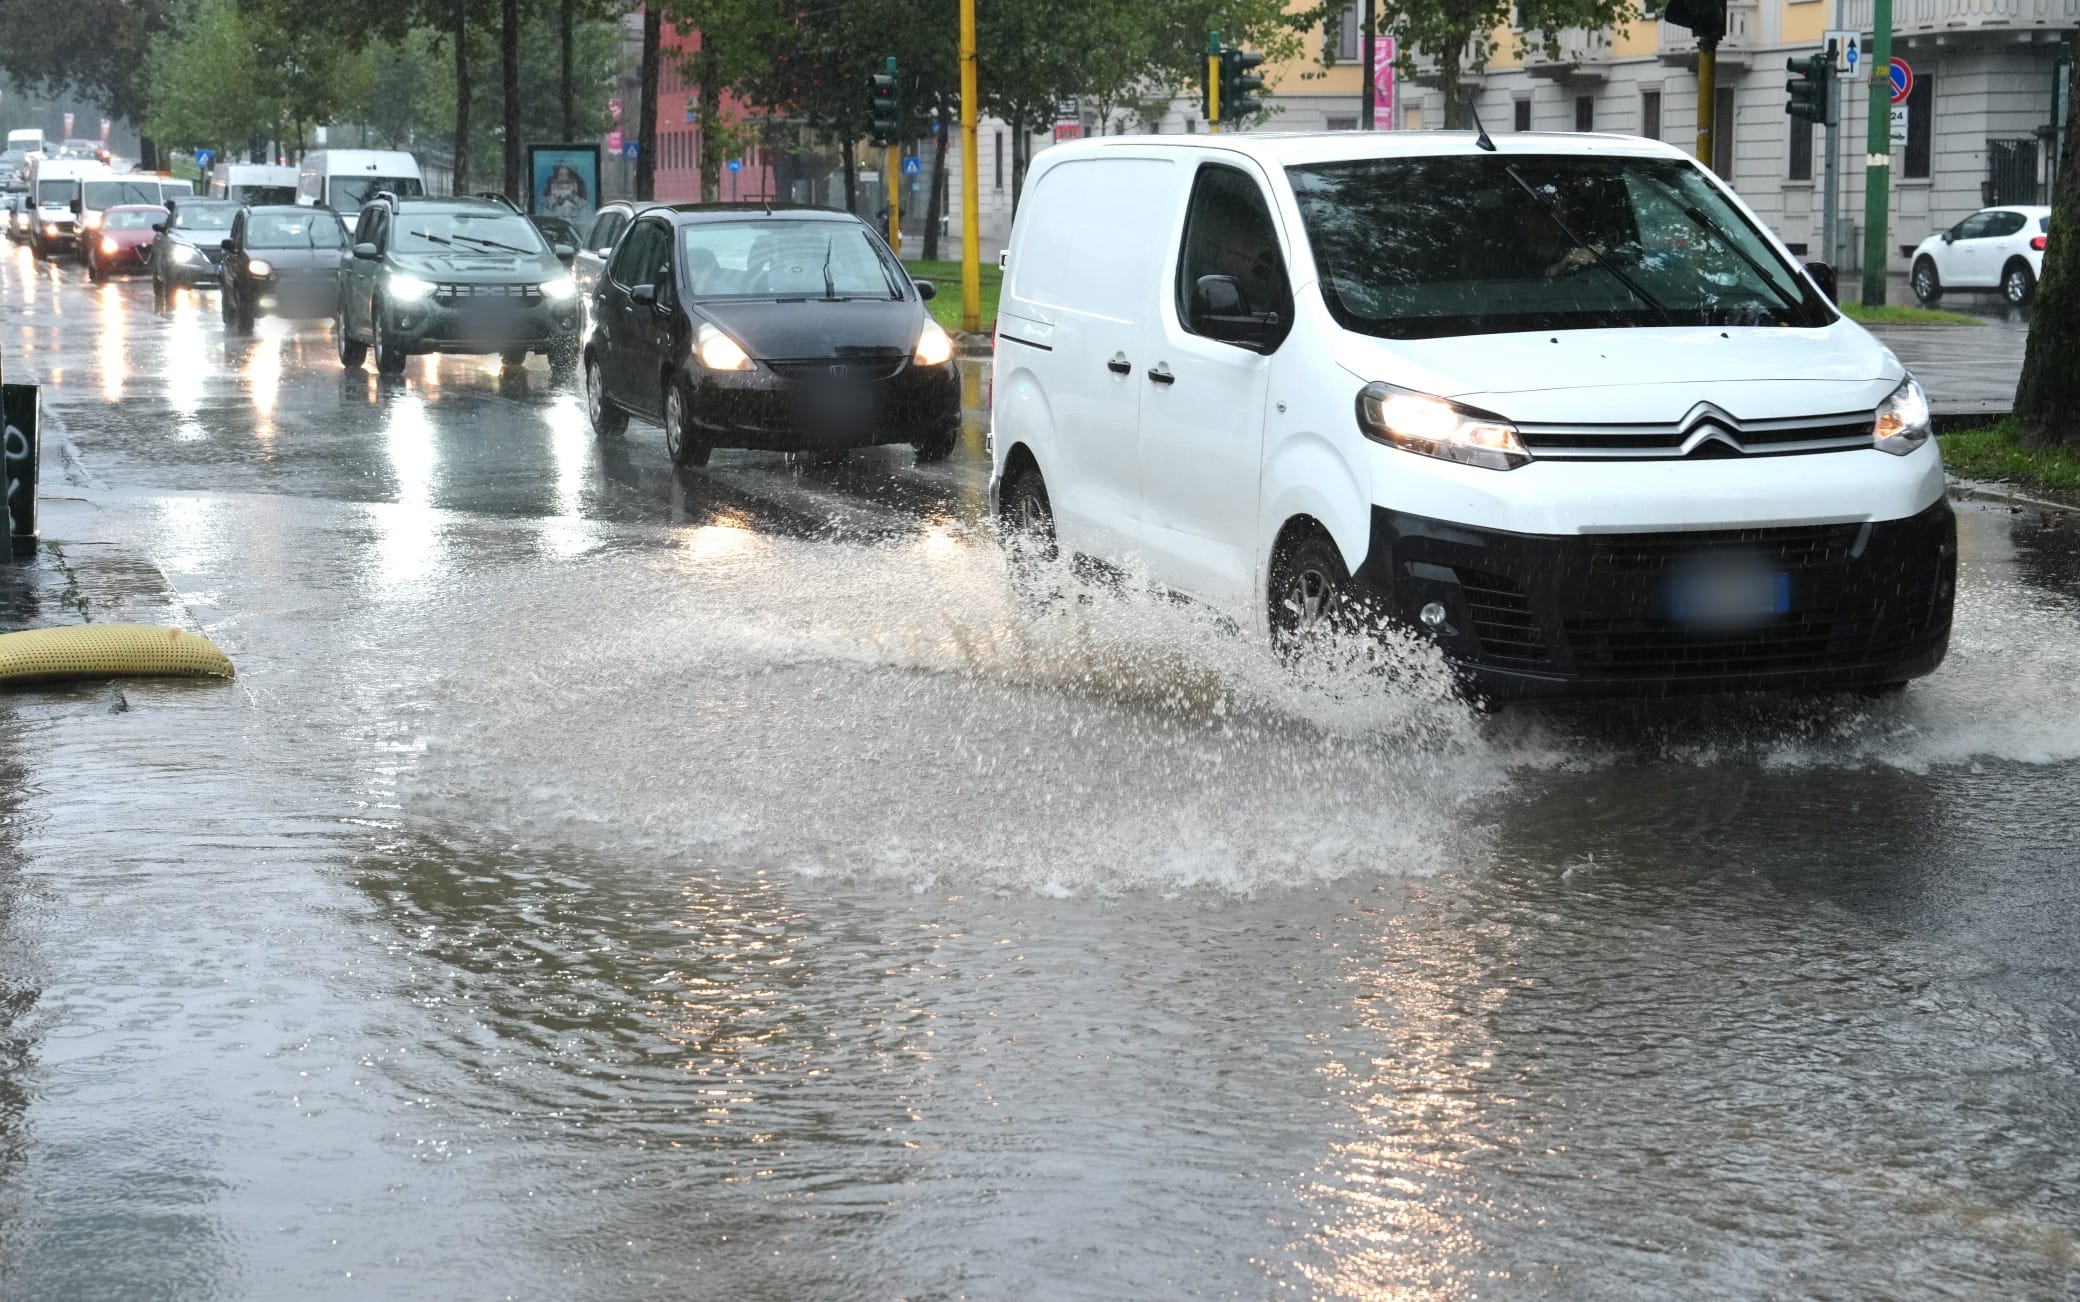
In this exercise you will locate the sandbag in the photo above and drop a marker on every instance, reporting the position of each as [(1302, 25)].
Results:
[(43, 655)]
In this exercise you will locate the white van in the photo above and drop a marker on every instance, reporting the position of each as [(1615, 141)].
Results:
[(54, 184), (343, 179), (95, 195), (27, 139), (253, 183), (1558, 402)]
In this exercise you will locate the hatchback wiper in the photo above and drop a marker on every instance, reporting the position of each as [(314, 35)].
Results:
[(492, 244), (1580, 243), (830, 287)]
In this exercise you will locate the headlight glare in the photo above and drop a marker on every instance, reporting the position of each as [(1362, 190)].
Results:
[(934, 348), (1434, 427), (260, 267), (401, 285), (92, 221), (183, 253), (559, 289), (1903, 419), (108, 245), (719, 352)]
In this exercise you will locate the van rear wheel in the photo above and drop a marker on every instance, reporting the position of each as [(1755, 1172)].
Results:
[(1309, 593)]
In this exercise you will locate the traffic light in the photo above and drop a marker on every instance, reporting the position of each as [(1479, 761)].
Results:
[(886, 108), (1808, 101), (1239, 86), (1706, 19)]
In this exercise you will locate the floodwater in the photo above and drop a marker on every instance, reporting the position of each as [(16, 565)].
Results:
[(601, 882)]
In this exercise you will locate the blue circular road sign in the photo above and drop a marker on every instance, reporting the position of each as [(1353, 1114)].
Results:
[(1902, 81)]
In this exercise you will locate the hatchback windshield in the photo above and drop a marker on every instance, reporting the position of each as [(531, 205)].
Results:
[(465, 232), (786, 259), (138, 219), (193, 217), (1413, 248), (308, 228), (98, 195), (348, 193)]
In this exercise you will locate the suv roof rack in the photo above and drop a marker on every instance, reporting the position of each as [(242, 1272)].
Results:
[(497, 197)]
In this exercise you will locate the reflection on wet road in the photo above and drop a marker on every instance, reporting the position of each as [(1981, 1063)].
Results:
[(604, 882)]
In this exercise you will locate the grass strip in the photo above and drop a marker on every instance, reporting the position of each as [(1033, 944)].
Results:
[(1893, 315), (1996, 453), (946, 308)]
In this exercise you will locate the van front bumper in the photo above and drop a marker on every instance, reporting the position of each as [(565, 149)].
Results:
[(1536, 615)]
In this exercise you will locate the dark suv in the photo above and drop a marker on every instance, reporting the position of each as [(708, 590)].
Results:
[(453, 276)]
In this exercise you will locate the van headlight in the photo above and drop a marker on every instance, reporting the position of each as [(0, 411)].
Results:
[(719, 352), (1434, 427), (933, 347), (1903, 422)]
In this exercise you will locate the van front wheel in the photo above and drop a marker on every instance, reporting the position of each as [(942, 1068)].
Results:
[(1309, 591), (1026, 517)]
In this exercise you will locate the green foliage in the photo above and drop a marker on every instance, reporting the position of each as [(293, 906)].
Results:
[(93, 47), (1998, 453), (946, 308), (192, 106)]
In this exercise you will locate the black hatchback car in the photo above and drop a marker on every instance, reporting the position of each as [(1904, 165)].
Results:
[(787, 330), (281, 260)]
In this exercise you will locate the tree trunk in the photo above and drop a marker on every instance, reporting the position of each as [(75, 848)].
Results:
[(1018, 159), (851, 156), (2047, 399), (646, 124), (713, 138), (935, 205), (148, 157), (509, 77), (569, 118), (1448, 76), (460, 180)]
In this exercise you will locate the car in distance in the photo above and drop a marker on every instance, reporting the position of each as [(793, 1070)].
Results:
[(452, 276), (1557, 405), (598, 242), (280, 260), (1994, 248), (189, 246), (13, 164), (20, 212), (97, 194), (253, 183), (54, 184), (122, 240), (787, 330), (562, 236), (345, 179)]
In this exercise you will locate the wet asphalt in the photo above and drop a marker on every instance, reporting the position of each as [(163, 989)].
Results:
[(604, 881)]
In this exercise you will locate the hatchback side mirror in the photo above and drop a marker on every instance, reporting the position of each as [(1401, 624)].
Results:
[(1949, 236), (160, 227), (229, 246), (643, 295), (365, 251), (1823, 276), (926, 289)]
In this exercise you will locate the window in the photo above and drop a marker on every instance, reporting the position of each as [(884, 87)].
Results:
[(604, 228), (635, 261), (1412, 118), (1000, 160), (2005, 223), (1350, 28), (467, 232), (1801, 150), (1975, 227), (1228, 232), (794, 258), (306, 228), (1650, 114), (1523, 115), (1342, 124), (1921, 114), (1722, 133), (1584, 113)]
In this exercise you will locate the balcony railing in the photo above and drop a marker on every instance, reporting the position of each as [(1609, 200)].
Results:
[(1919, 17), (1582, 55)]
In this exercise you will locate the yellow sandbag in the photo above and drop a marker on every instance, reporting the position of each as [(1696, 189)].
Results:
[(108, 651)]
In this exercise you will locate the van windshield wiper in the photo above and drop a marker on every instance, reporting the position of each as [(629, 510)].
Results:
[(1580, 243), (1699, 219)]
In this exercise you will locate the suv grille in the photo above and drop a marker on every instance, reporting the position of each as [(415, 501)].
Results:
[(1705, 432), (527, 293)]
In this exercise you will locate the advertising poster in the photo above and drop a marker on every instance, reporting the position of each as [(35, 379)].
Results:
[(1383, 84), (563, 181)]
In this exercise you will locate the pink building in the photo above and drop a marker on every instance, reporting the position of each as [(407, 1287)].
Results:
[(678, 168)]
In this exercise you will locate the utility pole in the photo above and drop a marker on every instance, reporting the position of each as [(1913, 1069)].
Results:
[(1830, 179), (971, 198), (1877, 163), (1707, 93), (1212, 104), (1371, 29)]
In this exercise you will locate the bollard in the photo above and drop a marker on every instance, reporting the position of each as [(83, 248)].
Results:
[(22, 411)]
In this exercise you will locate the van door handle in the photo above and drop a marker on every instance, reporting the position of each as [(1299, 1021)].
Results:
[(1119, 365), (1161, 374)]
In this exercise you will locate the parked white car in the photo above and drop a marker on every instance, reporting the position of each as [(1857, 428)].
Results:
[(1558, 403), (1994, 248)]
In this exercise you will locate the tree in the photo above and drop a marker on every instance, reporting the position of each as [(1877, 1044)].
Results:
[(2047, 399), (97, 48), (188, 70), (1460, 36), (734, 46)]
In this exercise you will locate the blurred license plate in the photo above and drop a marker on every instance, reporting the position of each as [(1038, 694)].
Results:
[(1719, 596)]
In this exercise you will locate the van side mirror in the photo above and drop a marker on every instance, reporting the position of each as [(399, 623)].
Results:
[(365, 251), (926, 290), (74, 205), (229, 246), (1220, 310), (160, 227), (1823, 276)]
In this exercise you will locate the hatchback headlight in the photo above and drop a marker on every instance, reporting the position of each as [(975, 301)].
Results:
[(933, 347), (107, 245), (1435, 427), (1903, 419), (260, 267), (559, 289), (719, 352), (401, 285), (183, 253)]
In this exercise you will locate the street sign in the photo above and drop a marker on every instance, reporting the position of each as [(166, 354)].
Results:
[(1899, 124), (614, 141), (1849, 63), (913, 165), (614, 108), (1902, 81), (205, 157), (736, 164), (1068, 110), (630, 149)]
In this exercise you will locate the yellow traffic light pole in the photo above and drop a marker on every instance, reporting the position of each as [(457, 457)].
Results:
[(1213, 88), (971, 216), (891, 165)]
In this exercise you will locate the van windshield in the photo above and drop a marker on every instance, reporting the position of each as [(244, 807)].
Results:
[(1420, 248), (55, 191), (257, 195), (348, 193)]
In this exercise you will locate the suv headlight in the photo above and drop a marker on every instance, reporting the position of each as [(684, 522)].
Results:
[(1435, 427), (260, 267), (1903, 419), (559, 289), (719, 352), (401, 285), (933, 347)]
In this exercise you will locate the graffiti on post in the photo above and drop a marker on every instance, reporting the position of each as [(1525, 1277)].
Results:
[(19, 410)]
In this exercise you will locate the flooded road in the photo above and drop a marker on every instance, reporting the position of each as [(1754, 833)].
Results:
[(602, 882)]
